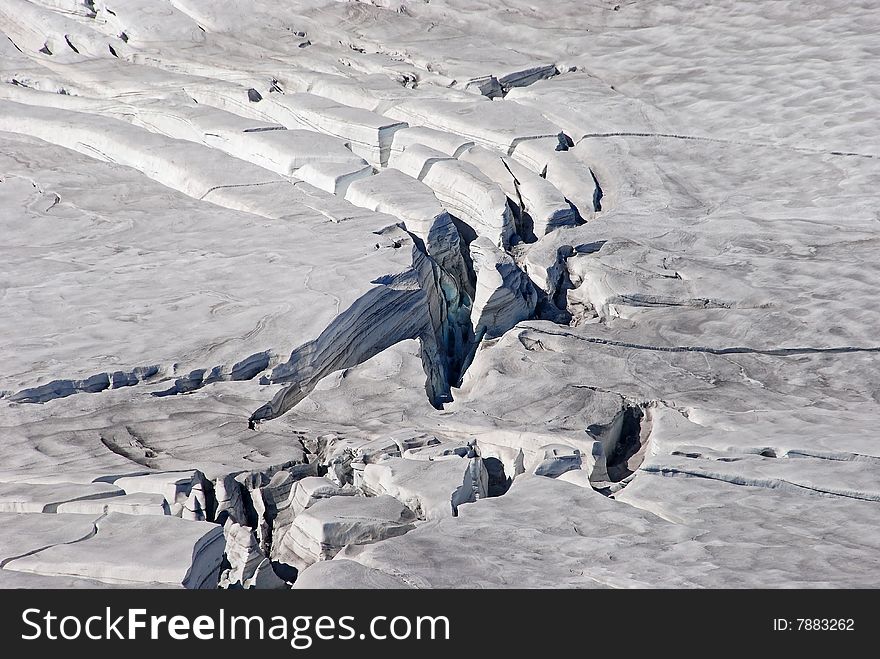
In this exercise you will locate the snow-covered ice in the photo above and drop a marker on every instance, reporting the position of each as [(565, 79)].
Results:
[(326, 294)]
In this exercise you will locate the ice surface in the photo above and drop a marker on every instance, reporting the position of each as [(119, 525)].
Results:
[(129, 549), (431, 488), (446, 294), (322, 530)]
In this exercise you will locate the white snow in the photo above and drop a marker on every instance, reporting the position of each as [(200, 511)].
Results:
[(447, 294)]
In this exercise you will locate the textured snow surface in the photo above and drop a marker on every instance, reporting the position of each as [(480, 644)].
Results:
[(466, 293)]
